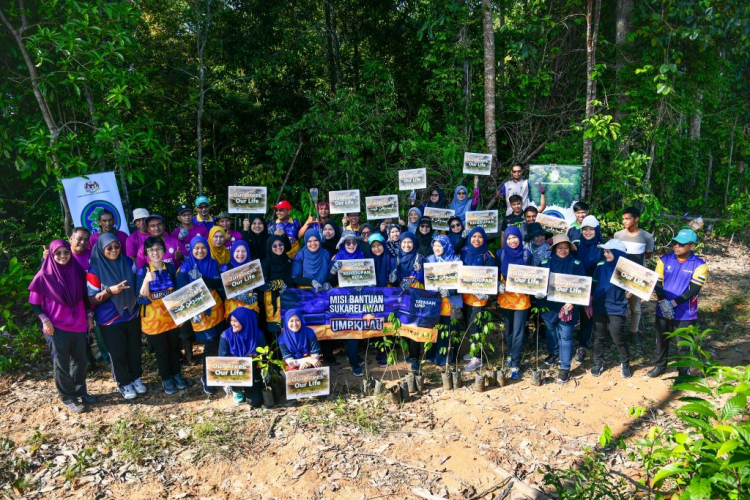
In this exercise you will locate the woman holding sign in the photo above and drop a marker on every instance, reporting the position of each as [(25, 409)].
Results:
[(241, 340), (560, 319), (590, 255), (456, 234), (310, 265), (298, 343), (255, 233), (515, 306), (154, 281), (475, 253), (277, 271), (461, 203), (239, 255), (410, 274), (206, 325), (442, 251)]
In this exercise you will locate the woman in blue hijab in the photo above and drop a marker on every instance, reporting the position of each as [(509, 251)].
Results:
[(241, 340), (310, 265), (239, 255), (461, 203), (298, 343), (610, 305), (409, 274), (515, 306), (442, 249), (590, 255)]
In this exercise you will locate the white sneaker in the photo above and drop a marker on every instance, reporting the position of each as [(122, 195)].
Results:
[(468, 356), (139, 387), (128, 392), (473, 365)]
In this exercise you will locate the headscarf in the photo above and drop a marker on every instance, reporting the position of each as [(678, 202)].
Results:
[(257, 242), (424, 241), (61, 284), (606, 270), (239, 243), (460, 207), (448, 255), (561, 266), (244, 342), (314, 264), (112, 272), (441, 203), (296, 342), (455, 237), (413, 226), (588, 251), (342, 253), (220, 255), (390, 230), (363, 226), (475, 256), (511, 255), (207, 266), (405, 261), (383, 262), (330, 245), (279, 266)]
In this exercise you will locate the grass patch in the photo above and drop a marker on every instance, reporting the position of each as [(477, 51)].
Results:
[(732, 315), (137, 437)]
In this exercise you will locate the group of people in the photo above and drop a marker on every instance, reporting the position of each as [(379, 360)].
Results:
[(112, 285)]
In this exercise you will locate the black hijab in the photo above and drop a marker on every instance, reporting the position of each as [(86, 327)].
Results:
[(424, 241), (258, 243), (330, 245)]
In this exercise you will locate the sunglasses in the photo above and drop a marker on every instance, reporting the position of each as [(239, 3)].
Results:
[(434, 194), (277, 245), (462, 193), (455, 225), (202, 206), (424, 225), (350, 243), (112, 248)]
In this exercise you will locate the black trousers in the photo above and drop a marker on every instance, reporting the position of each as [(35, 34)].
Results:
[(68, 351), (166, 346), (124, 343), (664, 326), (615, 324)]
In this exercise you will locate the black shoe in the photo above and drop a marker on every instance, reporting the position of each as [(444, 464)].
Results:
[(88, 399), (625, 370), (550, 360), (563, 376), (597, 370), (656, 371)]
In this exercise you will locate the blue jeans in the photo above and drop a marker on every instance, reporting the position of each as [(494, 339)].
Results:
[(515, 324), (586, 331), (562, 331), (442, 343), (352, 346)]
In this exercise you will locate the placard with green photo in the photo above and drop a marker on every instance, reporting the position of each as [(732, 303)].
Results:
[(227, 371)]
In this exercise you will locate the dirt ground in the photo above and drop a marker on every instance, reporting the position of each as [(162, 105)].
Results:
[(441, 444)]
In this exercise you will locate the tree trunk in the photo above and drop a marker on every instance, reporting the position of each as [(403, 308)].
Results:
[(463, 42), (624, 15), (329, 48), (490, 131), (729, 164), (710, 171), (593, 13), (201, 39)]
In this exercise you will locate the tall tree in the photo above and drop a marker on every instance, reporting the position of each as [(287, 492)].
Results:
[(593, 12), (490, 127)]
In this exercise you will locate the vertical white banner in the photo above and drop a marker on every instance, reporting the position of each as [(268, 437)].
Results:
[(88, 195)]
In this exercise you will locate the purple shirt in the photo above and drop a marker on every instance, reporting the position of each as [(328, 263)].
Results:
[(83, 259), (173, 246), (232, 236), (192, 233), (135, 243), (62, 316), (121, 237)]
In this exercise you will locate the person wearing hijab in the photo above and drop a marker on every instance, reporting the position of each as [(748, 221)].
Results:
[(217, 238), (410, 274), (348, 249), (412, 220), (200, 265), (239, 255), (514, 306), (475, 253), (365, 231), (560, 319), (330, 234), (310, 265), (298, 344), (590, 255), (385, 265), (392, 243), (610, 306), (461, 203), (424, 235), (456, 234), (154, 281), (535, 244), (57, 296), (277, 271), (436, 200), (443, 252), (112, 291), (255, 233), (241, 340)]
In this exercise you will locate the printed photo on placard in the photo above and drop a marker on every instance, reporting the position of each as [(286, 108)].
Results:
[(441, 275), (477, 164), (225, 371), (309, 383), (487, 219), (189, 301), (439, 217), (247, 199), (526, 279), (415, 178), (357, 272), (243, 278), (569, 289), (344, 202), (381, 207), (477, 280), (552, 224), (634, 278)]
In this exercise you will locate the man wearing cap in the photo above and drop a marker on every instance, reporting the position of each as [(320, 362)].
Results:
[(283, 225), (203, 217), (106, 220), (135, 240), (173, 254), (682, 275), (186, 231), (224, 219)]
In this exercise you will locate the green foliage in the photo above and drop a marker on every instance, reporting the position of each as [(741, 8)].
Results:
[(265, 361)]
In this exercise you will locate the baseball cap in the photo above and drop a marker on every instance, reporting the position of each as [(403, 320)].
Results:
[(140, 213), (223, 215), (615, 245), (589, 221), (201, 200), (283, 204), (184, 208), (154, 216), (686, 236)]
